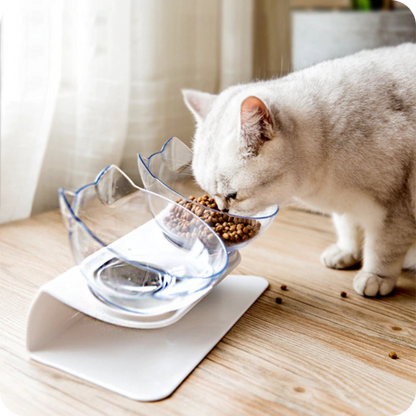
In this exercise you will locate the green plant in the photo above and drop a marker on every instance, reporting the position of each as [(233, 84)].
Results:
[(372, 4)]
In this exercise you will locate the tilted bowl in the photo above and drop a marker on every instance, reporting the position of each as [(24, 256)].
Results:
[(120, 239), (169, 173)]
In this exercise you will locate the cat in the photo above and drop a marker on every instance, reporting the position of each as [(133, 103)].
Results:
[(339, 136)]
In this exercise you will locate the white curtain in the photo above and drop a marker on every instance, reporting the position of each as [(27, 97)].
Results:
[(87, 83)]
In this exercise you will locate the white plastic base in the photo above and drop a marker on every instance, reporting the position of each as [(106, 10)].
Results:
[(61, 299), (142, 364)]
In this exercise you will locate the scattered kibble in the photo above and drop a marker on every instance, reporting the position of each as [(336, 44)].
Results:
[(279, 301), (299, 390), (343, 294), (283, 287), (231, 230), (393, 355)]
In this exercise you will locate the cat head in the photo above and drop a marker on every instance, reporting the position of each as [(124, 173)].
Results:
[(242, 155)]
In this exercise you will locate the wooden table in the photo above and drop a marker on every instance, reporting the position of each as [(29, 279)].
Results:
[(315, 354)]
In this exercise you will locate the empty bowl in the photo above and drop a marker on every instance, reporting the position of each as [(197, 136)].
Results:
[(169, 173), (121, 237)]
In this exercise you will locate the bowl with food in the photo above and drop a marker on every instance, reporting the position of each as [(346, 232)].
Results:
[(169, 173)]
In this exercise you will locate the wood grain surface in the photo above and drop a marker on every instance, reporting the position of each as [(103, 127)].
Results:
[(314, 354)]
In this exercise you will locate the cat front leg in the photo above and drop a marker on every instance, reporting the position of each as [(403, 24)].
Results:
[(385, 249), (347, 251)]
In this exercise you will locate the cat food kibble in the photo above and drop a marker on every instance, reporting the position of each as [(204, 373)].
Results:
[(343, 294), (279, 301), (283, 287), (231, 230), (393, 355)]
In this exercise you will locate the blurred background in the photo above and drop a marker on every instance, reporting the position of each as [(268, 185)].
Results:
[(87, 83)]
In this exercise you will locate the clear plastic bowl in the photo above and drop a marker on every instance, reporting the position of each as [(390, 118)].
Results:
[(169, 173), (120, 239)]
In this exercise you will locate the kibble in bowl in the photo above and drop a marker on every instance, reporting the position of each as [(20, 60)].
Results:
[(168, 173), (232, 230)]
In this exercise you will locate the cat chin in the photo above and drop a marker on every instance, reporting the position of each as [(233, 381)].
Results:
[(252, 210), (247, 213), (243, 213)]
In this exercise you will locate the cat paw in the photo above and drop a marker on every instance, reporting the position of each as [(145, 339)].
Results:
[(336, 258), (370, 284)]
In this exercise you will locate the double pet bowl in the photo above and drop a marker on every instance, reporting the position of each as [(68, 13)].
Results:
[(128, 268)]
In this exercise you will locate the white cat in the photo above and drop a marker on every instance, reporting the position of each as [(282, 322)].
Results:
[(339, 136)]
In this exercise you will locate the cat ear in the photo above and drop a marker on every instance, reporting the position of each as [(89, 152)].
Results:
[(198, 102), (256, 126)]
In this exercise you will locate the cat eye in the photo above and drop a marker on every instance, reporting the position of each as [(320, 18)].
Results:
[(231, 196)]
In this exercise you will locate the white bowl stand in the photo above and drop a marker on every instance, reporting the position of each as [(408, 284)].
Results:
[(143, 358)]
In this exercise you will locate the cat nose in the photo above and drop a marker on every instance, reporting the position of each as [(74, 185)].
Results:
[(225, 210), (221, 203)]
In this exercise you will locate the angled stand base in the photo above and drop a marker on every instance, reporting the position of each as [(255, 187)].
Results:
[(142, 364)]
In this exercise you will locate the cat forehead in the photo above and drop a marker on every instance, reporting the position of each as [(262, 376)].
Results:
[(226, 107)]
